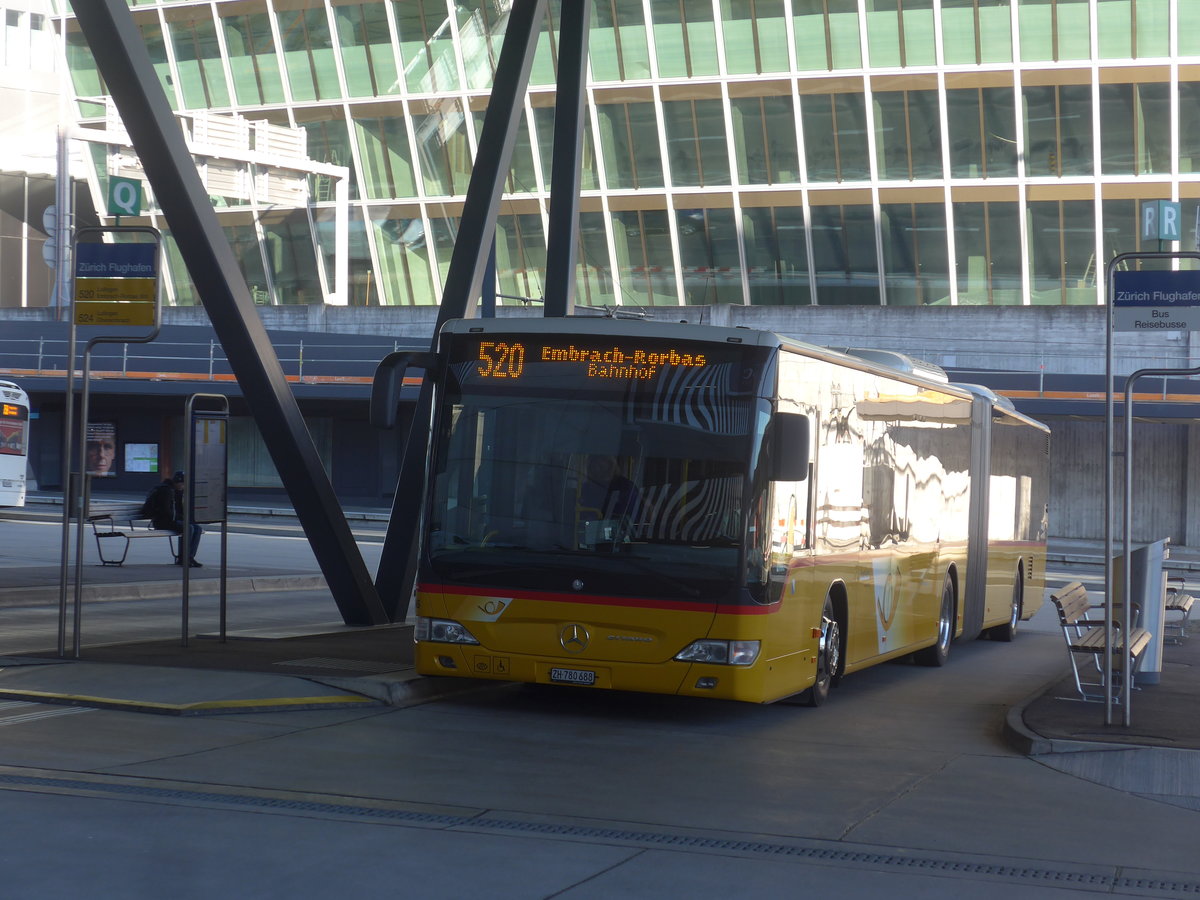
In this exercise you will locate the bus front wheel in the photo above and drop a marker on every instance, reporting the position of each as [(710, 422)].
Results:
[(829, 657)]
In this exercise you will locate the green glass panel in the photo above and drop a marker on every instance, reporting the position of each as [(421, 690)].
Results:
[(1189, 128), (995, 31), (618, 44), (522, 177), (982, 133), (916, 256), (835, 137), (243, 240), (443, 150), (385, 157), (406, 275), (1119, 220), (481, 34), (958, 32), (1062, 256), (426, 45), (329, 142), (1114, 24), (365, 40), (181, 281), (198, 61), (987, 259), (362, 284), (845, 267), (883, 33), (764, 135), (919, 35), (845, 46), (1154, 28), (520, 258), (252, 59), (685, 38), (809, 31), (1058, 130), (696, 146), (776, 258), (545, 59), (708, 256), (1189, 29), (84, 74), (594, 284), (755, 36), (1135, 129), (642, 241), (907, 135), (1036, 27), (308, 54), (544, 120), (1074, 29), (628, 140), (156, 47), (288, 248)]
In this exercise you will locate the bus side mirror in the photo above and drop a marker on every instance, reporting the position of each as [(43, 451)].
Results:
[(389, 379), (789, 450)]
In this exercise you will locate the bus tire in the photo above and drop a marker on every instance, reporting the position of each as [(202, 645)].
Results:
[(1008, 630), (829, 657), (936, 655)]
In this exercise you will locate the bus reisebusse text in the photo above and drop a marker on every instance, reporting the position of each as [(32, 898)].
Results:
[(714, 512), (14, 443)]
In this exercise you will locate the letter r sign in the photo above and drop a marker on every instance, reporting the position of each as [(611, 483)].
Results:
[(1161, 220)]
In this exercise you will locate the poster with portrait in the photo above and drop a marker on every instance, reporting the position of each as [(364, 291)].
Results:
[(101, 461)]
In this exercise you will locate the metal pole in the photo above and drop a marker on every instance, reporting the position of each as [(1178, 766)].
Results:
[(563, 242)]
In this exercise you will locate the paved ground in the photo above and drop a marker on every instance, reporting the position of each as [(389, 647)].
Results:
[(339, 774)]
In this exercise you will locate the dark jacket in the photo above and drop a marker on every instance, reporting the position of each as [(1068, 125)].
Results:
[(162, 507)]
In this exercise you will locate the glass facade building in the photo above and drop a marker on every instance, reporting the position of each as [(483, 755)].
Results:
[(782, 152)]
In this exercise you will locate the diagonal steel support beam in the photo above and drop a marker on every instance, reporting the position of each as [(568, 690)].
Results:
[(125, 65), (397, 568), (562, 244)]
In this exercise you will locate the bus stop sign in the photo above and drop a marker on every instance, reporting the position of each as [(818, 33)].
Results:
[(1156, 300)]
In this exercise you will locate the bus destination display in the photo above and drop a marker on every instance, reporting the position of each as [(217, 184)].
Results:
[(507, 359)]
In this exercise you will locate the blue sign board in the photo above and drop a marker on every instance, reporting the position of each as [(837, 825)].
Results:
[(98, 260), (1157, 300)]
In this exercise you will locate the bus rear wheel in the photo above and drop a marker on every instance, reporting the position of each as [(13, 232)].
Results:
[(829, 657), (1008, 630), (936, 655)]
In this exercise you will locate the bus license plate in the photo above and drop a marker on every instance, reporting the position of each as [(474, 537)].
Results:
[(573, 676)]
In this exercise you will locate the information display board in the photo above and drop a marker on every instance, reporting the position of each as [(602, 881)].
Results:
[(210, 442)]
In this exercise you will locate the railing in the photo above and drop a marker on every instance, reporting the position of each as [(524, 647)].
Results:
[(305, 363)]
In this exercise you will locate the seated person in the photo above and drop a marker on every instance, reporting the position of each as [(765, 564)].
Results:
[(605, 490)]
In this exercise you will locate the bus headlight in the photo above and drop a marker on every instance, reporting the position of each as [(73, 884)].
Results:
[(442, 631), (726, 653)]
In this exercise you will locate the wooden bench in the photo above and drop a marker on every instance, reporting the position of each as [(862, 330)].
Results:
[(123, 521), (1085, 640), (1179, 601)]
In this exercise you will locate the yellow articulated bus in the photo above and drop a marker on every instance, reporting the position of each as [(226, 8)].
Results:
[(714, 512)]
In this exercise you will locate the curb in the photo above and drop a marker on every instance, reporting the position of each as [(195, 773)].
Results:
[(407, 688), (200, 708)]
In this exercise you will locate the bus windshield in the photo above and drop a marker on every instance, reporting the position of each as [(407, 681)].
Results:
[(609, 469)]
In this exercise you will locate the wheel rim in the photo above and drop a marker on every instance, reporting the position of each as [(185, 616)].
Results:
[(1014, 615), (945, 626), (830, 649)]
